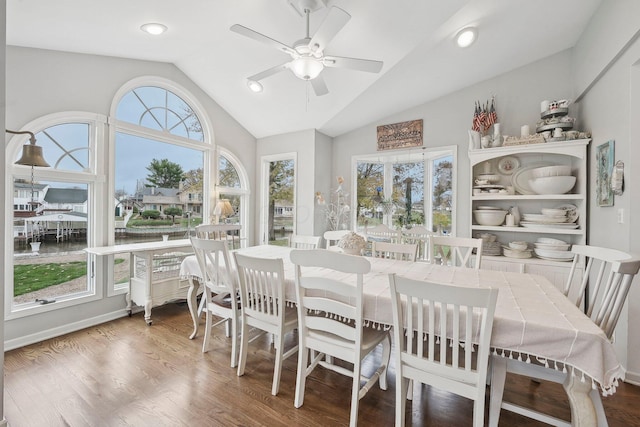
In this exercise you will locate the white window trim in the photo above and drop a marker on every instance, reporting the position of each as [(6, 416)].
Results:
[(94, 180), (264, 191), (387, 157), (244, 191), (206, 146)]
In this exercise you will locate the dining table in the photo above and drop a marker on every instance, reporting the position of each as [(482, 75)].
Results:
[(533, 319)]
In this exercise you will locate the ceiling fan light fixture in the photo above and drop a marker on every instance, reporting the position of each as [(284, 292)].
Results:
[(154, 28), (306, 67), (466, 36), (254, 86)]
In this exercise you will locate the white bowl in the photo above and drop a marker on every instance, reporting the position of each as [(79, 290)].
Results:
[(518, 246), (551, 171), (489, 217), (552, 254), (552, 184), (550, 241), (490, 178), (554, 247)]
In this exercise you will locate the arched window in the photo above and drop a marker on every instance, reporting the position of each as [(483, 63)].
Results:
[(232, 184), (53, 214)]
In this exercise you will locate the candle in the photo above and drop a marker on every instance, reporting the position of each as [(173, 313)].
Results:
[(524, 130), (510, 220)]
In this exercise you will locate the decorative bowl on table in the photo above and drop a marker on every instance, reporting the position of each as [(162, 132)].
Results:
[(552, 184), (352, 243), (489, 217)]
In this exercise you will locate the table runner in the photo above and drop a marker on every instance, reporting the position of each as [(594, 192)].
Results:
[(532, 318)]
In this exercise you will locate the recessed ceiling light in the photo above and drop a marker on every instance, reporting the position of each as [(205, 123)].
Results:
[(254, 86), (154, 29), (466, 36)]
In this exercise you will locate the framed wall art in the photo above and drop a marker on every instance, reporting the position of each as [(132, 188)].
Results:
[(400, 135), (604, 169)]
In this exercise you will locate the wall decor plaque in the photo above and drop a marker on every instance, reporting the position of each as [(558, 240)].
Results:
[(400, 135), (604, 158)]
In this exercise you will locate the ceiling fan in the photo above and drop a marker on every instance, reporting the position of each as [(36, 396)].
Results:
[(307, 54)]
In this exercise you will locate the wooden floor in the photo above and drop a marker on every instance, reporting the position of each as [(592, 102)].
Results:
[(125, 373)]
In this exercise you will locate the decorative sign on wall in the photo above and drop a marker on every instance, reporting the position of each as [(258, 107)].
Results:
[(604, 158), (400, 135)]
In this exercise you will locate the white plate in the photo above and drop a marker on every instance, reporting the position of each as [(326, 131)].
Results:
[(550, 253), (508, 165), (520, 178), (554, 259), (489, 208), (528, 224)]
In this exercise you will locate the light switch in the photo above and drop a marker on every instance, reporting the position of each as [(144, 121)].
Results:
[(620, 216)]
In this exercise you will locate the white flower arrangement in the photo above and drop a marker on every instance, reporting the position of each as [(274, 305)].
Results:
[(352, 243), (337, 210)]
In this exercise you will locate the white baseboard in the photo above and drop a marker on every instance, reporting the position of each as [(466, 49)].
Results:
[(632, 378), (61, 330)]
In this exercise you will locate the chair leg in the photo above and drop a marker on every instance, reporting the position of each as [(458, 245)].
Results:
[(279, 345), (402, 385), (244, 344), (386, 357), (355, 393), (234, 339), (498, 377), (301, 377), (207, 332)]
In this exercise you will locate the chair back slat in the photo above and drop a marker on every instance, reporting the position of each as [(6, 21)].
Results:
[(456, 251), (298, 241), (457, 329), (261, 283), (605, 283), (399, 251), (213, 260), (332, 237), (419, 235)]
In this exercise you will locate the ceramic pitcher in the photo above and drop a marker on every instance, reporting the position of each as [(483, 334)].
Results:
[(474, 140)]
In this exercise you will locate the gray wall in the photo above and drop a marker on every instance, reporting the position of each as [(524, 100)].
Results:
[(41, 82), (447, 120), (607, 76)]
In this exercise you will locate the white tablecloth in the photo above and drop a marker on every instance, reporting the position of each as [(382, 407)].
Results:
[(532, 318)]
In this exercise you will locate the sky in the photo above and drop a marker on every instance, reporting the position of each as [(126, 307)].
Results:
[(134, 154)]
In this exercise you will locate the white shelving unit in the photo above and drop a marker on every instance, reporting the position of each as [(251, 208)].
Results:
[(572, 153)]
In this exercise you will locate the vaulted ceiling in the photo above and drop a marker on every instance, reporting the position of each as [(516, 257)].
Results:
[(414, 39)]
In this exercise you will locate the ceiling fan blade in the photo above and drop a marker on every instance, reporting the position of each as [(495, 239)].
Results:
[(368, 65), (269, 72), (319, 86), (248, 32), (335, 20)]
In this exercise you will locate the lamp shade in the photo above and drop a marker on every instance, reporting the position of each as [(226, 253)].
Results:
[(223, 208)]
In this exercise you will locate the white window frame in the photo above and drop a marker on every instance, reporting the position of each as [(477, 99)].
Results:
[(263, 238), (94, 179), (395, 156), (244, 191)]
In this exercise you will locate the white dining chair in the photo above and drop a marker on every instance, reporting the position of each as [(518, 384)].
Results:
[(419, 235), (263, 306), (437, 342), (298, 241), (332, 237), (330, 316), (456, 251), (228, 232), (382, 233), (220, 291), (612, 281), (400, 251)]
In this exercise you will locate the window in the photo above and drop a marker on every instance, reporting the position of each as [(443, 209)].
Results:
[(52, 216), (278, 198), (403, 189)]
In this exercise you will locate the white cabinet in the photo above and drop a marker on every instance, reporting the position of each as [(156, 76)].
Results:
[(499, 161)]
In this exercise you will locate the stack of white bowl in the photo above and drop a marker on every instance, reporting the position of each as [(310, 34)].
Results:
[(553, 249), (552, 180), (490, 245), (517, 250)]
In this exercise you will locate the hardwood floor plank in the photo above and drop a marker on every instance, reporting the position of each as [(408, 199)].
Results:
[(125, 373)]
